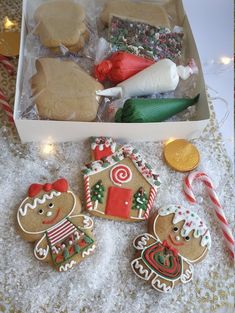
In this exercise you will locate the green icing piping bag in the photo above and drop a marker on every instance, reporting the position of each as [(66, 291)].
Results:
[(144, 110)]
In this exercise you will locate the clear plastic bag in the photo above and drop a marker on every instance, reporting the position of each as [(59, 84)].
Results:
[(95, 50)]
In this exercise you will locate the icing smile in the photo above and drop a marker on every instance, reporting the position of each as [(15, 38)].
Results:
[(53, 219), (174, 242)]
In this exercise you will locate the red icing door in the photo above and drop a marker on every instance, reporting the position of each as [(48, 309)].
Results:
[(119, 202)]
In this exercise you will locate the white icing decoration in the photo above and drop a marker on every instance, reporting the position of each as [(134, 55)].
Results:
[(36, 201), (41, 253), (162, 287), (139, 201), (102, 143), (187, 276), (88, 251), (141, 241), (135, 157), (87, 222), (120, 174), (65, 267), (139, 269), (191, 222), (50, 228), (55, 250)]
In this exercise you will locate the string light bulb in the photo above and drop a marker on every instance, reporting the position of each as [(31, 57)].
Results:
[(226, 60), (8, 23), (48, 149)]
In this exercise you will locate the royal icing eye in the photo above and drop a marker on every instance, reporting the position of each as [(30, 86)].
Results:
[(175, 229), (51, 205), (40, 211), (187, 238)]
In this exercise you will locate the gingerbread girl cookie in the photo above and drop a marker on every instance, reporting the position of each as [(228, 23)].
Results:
[(177, 238), (119, 184), (50, 217)]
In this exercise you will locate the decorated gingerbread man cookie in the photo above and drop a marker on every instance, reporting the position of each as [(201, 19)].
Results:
[(177, 238), (119, 183), (50, 217)]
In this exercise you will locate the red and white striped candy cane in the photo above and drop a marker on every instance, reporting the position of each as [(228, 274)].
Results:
[(6, 106), (152, 196), (229, 239), (7, 64)]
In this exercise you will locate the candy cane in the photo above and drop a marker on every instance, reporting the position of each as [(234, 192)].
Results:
[(229, 239), (7, 64), (6, 106)]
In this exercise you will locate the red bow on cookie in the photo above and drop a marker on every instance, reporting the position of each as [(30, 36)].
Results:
[(166, 245), (59, 185)]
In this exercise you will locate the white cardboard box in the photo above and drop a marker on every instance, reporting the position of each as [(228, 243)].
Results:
[(59, 131)]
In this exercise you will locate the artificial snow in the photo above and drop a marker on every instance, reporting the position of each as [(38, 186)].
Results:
[(104, 282)]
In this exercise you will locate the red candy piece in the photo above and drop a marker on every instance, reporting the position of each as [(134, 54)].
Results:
[(82, 243), (120, 66), (71, 250), (59, 258)]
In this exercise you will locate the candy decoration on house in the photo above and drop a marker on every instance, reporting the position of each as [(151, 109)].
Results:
[(97, 193), (219, 212), (181, 155), (140, 201), (124, 173), (176, 239), (120, 174), (102, 147), (152, 110), (163, 76), (120, 66), (50, 217)]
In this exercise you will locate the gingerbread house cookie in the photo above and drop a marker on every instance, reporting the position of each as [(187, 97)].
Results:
[(177, 239), (119, 183), (50, 217)]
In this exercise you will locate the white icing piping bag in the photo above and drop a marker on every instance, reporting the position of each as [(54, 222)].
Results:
[(162, 76)]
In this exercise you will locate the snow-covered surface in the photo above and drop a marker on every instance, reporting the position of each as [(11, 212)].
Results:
[(104, 283)]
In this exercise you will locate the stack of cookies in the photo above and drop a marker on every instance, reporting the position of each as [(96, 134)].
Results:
[(62, 90)]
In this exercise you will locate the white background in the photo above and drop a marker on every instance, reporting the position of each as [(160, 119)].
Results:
[(212, 25)]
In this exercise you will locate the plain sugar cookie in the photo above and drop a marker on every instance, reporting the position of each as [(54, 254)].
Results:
[(63, 91), (61, 22)]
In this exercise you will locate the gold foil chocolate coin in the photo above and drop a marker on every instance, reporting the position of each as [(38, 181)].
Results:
[(181, 155), (9, 44)]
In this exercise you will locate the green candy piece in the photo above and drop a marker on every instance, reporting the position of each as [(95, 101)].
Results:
[(77, 248), (88, 239), (66, 253), (142, 110)]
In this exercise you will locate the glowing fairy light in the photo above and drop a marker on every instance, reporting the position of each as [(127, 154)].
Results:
[(48, 149), (226, 60), (8, 23)]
